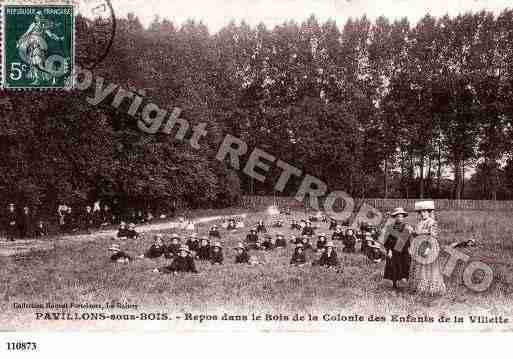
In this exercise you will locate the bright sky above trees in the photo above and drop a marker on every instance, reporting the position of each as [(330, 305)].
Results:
[(219, 13)]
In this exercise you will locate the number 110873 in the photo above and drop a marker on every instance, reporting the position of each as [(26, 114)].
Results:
[(21, 346)]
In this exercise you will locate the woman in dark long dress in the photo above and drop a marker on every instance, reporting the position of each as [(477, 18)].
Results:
[(396, 244)]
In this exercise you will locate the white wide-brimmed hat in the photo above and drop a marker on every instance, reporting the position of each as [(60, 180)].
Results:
[(399, 210), (424, 205)]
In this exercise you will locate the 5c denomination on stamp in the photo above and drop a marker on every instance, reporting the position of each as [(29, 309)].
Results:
[(38, 46)]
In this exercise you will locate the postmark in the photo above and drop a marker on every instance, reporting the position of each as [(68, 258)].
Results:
[(38, 45), (95, 32)]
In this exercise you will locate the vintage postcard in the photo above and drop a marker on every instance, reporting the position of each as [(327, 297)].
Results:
[(270, 166)]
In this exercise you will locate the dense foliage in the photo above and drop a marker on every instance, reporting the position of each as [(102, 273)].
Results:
[(376, 109)]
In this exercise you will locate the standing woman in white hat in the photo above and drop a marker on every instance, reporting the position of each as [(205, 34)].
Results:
[(426, 275)]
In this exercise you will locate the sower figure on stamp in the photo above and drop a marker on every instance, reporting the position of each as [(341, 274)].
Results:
[(33, 44), (397, 242)]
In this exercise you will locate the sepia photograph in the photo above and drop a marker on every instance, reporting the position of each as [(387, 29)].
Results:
[(255, 166)]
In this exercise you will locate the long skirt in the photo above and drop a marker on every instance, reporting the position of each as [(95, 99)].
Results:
[(427, 279), (397, 267)]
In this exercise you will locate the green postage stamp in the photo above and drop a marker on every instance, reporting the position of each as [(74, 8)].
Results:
[(38, 45)]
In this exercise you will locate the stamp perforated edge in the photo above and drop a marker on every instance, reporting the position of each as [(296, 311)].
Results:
[(3, 4)]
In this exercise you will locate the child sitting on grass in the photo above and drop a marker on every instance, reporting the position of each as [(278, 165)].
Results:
[(122, 231), (173, 248), (464, 244), (214, 232), (333, 224), (329, 257), (280, 241), (131, 233), (306, 242), (308, 229), (252, 240), (372, 250), (203, 252), (321, 241), (267, 243), (278, 223), (298, 258), (242, 256), (193, 243), (349, 241), (295, 225), (119, 256), (260, 227), (338, 235), (216, 256), (183, 262), (231, 225), (157, 249)]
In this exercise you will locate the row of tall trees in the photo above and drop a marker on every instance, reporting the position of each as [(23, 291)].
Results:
[(378, 109)]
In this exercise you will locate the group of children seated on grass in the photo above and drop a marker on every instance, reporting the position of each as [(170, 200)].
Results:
[(183, 253)]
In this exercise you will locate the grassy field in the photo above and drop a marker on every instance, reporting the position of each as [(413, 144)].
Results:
[(81, 272)]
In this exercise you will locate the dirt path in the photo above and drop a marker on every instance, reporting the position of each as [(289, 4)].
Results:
[(22, 246)]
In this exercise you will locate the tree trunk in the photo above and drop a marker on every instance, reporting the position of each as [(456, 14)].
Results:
[(385, 179), (439, 171), (493, 178), (421, 176), (458, 178), (429, 178)]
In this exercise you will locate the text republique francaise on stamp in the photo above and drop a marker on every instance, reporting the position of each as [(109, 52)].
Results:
[(38, 45)]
